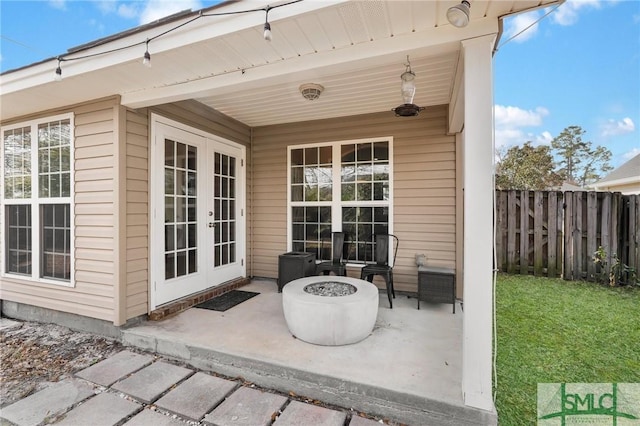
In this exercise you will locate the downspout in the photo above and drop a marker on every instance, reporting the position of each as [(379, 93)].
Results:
[(251, 224)]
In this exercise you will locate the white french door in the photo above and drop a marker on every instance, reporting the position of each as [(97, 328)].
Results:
[(197, 225), (225, 214)]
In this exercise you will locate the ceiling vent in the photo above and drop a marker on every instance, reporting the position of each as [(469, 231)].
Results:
[(311, 91)]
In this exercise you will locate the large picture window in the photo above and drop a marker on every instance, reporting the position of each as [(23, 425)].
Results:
[(340, 186), (36, 198)]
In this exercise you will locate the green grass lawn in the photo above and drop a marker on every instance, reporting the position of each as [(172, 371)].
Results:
[(554, 331)]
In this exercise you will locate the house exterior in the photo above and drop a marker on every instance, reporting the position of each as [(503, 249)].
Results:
[(624, 179), (126, 189)]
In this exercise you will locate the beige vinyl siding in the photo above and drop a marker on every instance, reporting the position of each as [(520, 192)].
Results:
[(136, 270), (424, 186), (201, 117), (628, 188), (95, 233)]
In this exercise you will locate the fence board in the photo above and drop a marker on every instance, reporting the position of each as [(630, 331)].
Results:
[(636, 237), (605, 232), (511, 232), (578, 252), (616, 211), (524, 233), (552, 234), (501, 231), (538, 233), (568, 236), (592, 233), (633, 260)]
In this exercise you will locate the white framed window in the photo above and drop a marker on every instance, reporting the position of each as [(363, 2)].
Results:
[(37, 193), (340, 186)]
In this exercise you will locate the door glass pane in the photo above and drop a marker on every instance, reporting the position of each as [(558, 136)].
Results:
[(193, 261), (180, 208), (225, 217), (169, 266), (181, 156), (169, 152)]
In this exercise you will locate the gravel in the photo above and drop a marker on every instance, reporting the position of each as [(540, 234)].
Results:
[(33, 355), (330, 289)]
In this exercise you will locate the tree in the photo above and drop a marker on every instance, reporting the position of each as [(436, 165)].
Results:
[(597, 165), (578, 161), (526, 168)]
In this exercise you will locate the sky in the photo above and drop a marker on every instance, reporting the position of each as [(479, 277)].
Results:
[(577, 66)]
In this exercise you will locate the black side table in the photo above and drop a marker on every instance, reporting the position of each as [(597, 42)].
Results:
[(294, 265), (437, 284)]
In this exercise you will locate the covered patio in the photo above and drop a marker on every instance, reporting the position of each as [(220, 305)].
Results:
[(218, 90), (408, 369)]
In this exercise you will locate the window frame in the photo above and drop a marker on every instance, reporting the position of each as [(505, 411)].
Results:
[(336, 202), (36, 202)]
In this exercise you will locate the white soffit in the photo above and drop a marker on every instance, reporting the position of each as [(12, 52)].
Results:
[(355, 49)]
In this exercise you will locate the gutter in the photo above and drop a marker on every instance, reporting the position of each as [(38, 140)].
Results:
[(506, 15), (188, 13)]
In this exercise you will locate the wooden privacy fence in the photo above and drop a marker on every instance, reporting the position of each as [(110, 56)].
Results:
[(549, 233)]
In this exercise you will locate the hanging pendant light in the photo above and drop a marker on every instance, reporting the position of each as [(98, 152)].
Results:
[(267, 25), (58, 74), (408, 90), (146, 59)]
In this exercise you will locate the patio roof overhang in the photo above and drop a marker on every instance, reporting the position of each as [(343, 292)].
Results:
[(355, 49)]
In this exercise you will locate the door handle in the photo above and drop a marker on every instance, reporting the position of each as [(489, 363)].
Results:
[(212, 225)]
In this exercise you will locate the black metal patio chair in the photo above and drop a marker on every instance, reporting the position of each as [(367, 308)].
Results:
[(382, 266), (337, 264)]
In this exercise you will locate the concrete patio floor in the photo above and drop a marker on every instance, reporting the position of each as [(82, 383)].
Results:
[(408, 369)]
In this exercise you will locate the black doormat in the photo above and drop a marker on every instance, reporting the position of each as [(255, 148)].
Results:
[(227, 300)]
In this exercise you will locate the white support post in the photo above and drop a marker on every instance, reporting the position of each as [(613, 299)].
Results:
[(478, 226)]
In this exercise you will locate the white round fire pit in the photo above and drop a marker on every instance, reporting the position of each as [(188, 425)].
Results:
[(330, 310)]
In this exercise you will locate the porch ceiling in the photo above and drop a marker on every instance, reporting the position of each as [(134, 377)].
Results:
[(355, 49)]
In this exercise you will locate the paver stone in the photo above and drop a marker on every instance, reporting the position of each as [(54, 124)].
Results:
[(114, 368), (196, 396), (361, 421), (149, 417), (105, 409), (48, 402), (152, 381), (299, 413), (246, 407)]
